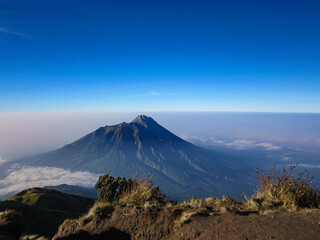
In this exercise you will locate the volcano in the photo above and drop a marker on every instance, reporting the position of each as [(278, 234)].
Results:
[(142, 146)]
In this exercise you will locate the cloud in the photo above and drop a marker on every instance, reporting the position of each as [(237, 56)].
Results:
[(4, 30), (309, 165), (235, 144), (142, 95), (22, 177), (2, 160), (285, 158), (154, 93)]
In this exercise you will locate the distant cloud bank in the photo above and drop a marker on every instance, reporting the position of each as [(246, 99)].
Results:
[(2, 160), (20, 178), (236, 144)]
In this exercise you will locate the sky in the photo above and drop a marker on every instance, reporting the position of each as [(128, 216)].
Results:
[(82, 56)]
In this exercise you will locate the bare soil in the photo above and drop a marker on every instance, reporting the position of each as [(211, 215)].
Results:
[(185, 223)]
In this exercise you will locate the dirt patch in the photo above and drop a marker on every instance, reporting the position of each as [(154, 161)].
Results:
[(138, 223), (230, 225), (178, 223)]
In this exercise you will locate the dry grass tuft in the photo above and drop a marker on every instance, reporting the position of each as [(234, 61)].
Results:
[(99, 210), (33, 237), (141, 192), (285, 190)]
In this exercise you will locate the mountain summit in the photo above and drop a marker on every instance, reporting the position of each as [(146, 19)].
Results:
[(143, 120), (179, 167)]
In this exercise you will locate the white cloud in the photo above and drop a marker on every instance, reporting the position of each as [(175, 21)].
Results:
[(4, 30), (154, 93), (308, 165), (2, 160), (20, 178), (236, 144), (285, 158)]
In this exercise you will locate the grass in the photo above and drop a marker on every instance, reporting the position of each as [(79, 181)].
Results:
[(138, 191), (28, 197), (276, 190), (9, 214), (285, 190), (100, 210), (211, 202), (33, 237), (141, 192)]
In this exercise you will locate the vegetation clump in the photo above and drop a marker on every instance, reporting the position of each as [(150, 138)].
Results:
[(100, 210), (111, 188), (128, 192), (285, 190)]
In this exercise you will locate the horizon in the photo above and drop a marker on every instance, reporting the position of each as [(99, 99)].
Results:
[(258, 139), (67, 127)]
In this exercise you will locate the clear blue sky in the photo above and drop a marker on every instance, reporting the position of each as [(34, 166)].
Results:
[(163, 55)]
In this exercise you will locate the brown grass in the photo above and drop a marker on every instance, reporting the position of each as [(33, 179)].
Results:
[(285, 190), (141, 192)]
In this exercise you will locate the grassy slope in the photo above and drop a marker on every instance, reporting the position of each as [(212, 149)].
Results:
[(51, 199), (43, 210)]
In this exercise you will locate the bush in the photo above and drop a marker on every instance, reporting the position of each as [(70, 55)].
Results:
[(111, 188), (286, 190), (128, 192)]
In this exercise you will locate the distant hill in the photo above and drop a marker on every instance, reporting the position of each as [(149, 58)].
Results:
[(43, 210), (52, 199), (75, 190), (179, 167)]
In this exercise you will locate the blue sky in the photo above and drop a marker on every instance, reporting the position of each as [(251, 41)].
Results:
[(138, 55)]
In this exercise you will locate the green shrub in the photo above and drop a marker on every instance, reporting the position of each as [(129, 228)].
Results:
[(111, 188), (286, 190)]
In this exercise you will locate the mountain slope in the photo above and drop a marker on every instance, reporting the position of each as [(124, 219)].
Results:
[(52, 199), (44, 210), (180, 168)]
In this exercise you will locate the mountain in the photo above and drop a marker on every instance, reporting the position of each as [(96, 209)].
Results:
[(44, 210), (179, 167), (75, 190)]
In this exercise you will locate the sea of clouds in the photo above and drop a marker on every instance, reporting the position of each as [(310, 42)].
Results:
[(23, 177), (240, 144)]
